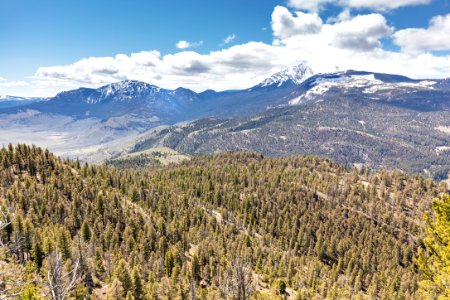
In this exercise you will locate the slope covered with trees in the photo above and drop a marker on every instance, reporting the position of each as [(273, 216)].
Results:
[(234, 225), (434, 260)]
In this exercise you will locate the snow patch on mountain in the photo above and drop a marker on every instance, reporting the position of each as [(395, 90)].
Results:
[(442, 149), (367, 82), (444, 129), (421, 85)]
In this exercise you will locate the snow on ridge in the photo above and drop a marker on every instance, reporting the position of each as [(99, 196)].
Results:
[(369, 83), (423, 85), (124, 91)]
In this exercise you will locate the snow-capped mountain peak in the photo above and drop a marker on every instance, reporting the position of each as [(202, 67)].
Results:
[(128, 89), (296, 74)]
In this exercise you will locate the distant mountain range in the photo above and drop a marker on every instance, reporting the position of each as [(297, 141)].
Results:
[(14, 101), (355, 117)]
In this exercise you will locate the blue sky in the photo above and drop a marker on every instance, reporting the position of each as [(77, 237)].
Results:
[(44, 44), (40, 33)]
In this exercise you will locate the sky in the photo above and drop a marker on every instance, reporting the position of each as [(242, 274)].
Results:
[(49, 46)]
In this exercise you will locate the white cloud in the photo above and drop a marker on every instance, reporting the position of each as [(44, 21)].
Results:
[(380, 5), (350, 42), (362, 32), (185, 44), (234, 67), (10, 87), (9, 84), (284, 24), (434, 38), (310, 5), (229, 39), (345, 15)]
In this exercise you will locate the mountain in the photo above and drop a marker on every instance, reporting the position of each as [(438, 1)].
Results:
[(14, 101), (118, 99), (356, 118), (385, 87), (303, 227), (169, 106), (294, 75), (79, 122), (274, 91)]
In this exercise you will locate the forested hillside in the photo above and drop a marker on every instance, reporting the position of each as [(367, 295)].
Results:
[(234, 225)]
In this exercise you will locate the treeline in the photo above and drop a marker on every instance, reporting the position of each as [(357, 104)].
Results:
[(235, 225)]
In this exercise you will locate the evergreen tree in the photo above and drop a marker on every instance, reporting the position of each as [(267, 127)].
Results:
[(86, 232), (169, 263), (38, 254), (123, 275), (434, 260), (138, 291)]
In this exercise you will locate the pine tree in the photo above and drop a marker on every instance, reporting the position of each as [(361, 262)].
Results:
[(138, 291), (169, 264), (86, 232), (38, 254), (123, 275), (29, 294), (195, 268), (98, 261), (434, 260), (63, 244)]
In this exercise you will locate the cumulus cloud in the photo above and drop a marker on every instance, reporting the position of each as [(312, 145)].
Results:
[(229, 39), (434, 38), (349, 42), (284, 24), (380, 5), (185, 44), (362, 32), (235, 67), (10, 87)]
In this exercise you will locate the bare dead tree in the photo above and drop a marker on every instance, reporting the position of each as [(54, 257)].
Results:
[(239, 280), (192, 291), (4, 222), (3, 219), (11, 276), (60, 282)]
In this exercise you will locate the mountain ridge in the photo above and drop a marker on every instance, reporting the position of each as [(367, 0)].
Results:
[(324, 113)]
